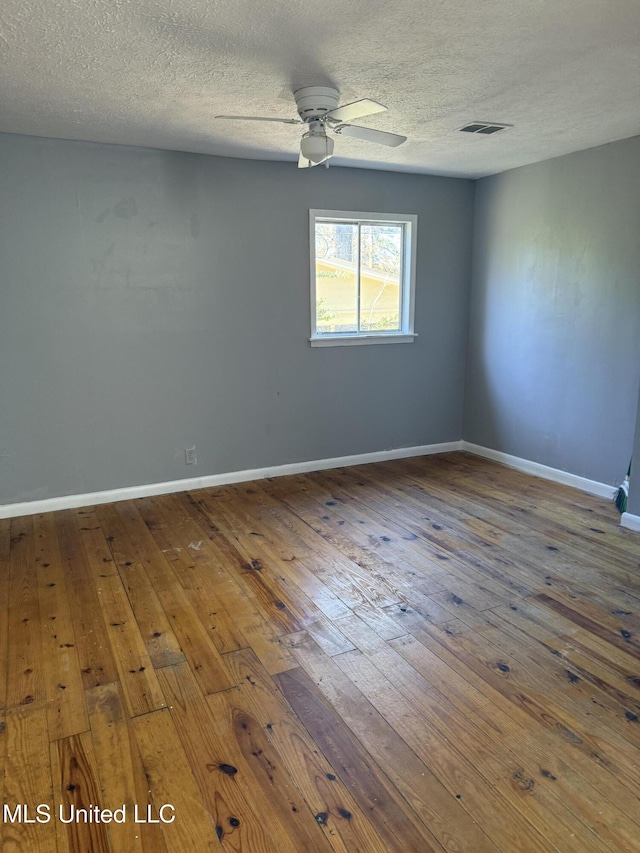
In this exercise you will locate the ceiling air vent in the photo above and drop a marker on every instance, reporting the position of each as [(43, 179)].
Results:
[(486, 127)]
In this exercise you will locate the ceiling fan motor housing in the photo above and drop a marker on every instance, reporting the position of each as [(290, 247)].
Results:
[(313, 102)]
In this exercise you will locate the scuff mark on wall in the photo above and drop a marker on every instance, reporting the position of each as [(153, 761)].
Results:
[(126, 208)]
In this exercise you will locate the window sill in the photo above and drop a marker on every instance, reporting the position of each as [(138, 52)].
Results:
[(359, 340)]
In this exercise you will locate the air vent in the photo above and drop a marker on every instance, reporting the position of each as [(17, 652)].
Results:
[(485, 127)]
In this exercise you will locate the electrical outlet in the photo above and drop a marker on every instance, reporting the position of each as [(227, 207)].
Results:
[(190, 456)]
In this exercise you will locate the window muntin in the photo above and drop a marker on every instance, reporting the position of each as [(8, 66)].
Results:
[(362, 274)]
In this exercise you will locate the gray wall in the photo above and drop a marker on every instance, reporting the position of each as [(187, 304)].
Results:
[(153, 300), (554, 333)]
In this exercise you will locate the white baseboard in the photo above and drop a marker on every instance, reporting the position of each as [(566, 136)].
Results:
[(593, 487), (149, 490), (146, 491), (632, 522)]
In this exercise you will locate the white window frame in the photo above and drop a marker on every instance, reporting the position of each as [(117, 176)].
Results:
[(406, 333)]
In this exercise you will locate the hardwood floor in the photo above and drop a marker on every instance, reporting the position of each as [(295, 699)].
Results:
[(434, 654)]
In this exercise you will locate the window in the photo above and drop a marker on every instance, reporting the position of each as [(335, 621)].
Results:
[(362, 277)]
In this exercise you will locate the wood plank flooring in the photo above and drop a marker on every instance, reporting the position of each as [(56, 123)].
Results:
[(433, 654)]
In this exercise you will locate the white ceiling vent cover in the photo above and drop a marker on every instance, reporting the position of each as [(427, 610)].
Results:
[(485, 127)]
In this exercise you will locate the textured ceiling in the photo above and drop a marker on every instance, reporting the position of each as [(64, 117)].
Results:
[(565, 73)]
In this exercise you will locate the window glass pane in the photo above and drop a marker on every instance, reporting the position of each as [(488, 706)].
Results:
[(381, 274), (336, 277)]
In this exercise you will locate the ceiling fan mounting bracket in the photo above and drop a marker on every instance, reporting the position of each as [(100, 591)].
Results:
[(312, 102)]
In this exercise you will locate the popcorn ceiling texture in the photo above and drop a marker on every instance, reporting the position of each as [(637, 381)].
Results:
[(566, 73)]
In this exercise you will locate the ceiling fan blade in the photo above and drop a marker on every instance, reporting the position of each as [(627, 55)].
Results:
[(357, 109), (261, 118), (370, 135)]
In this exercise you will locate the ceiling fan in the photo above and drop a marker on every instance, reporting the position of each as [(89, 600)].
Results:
[(318, 109)]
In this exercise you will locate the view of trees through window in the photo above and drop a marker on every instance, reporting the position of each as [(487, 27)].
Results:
[(358, 276)]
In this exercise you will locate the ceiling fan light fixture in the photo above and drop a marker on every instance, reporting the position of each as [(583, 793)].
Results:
[(316, 147), (319, 111)]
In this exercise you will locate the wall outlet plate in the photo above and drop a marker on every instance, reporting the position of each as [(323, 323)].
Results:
[(190, 456)]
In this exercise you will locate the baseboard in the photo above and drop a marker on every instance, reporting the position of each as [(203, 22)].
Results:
[(147, 491), (630, 521), (593, 487)]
